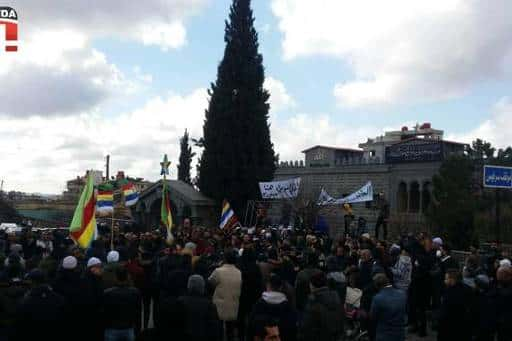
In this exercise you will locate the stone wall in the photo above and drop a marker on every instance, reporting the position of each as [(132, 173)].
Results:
[(345, 179)]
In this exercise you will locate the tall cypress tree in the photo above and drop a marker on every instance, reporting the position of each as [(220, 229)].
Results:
[(186, 156), (238, 152)]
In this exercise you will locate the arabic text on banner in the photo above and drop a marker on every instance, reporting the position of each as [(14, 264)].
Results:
[(363, 194), (285, 189)]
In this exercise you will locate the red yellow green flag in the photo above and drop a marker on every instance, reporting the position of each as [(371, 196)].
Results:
[(83, 225), (165, 210)]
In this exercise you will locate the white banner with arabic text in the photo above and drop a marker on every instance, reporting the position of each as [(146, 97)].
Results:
[(363, 194), (284, 189)]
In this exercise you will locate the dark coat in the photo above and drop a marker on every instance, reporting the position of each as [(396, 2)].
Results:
[(322, 318), (365, 274), (121, 307), (302, 286), (504, 313), (388, 312), (11, 294), (40, 316), (485, 315), (79, 302), (455, 314), (200, 319), (251, 288), (280, 311)]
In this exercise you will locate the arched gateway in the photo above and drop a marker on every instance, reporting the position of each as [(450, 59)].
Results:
[(186, 202)]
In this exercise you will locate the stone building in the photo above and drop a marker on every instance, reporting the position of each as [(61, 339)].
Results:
[(400, 164), (186, 202)]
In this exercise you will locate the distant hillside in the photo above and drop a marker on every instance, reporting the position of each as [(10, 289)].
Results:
[(7, 213)]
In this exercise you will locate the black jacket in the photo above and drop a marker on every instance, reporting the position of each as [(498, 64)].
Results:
[(79, 302), (11, 294), (40, 316), (121, 307), (322, 318), (280, 311), (200, 319), (455, 314), (504, 313), (252, 286)]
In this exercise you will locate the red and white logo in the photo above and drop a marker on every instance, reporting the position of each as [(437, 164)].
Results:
[(9, 18)]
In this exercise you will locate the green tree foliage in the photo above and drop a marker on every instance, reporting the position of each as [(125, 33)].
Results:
[(238, 152), (186, 156), (454, 206), (463, 209), (8, 214)]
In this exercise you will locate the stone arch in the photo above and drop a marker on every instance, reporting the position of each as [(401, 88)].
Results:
[(402, 197), (414, 197)]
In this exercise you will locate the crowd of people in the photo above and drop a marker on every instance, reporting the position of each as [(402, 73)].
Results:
[(255, 283)]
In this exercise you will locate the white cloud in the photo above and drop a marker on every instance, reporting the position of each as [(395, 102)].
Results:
[(496, 129), (152, 22), (401, 51), (279, 97), (39, 153), (56, 71), (301, 131)]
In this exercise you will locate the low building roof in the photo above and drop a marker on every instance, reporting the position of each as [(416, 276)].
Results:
[(334, 148)]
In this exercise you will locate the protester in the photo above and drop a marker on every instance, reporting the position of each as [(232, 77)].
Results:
[(121, 308), (273, 305), (227, 281), (455, 315), (388, 310), (280, 283), (322, 318), (198, 313), (40, 312)]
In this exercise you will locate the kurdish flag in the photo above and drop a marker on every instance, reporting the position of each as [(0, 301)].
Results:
[(165, 211), (83, 225), (105, 199), (228, 218), (130, 194)]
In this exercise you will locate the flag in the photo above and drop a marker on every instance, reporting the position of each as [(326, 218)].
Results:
[(83, 226), (105, 199), (165, 210), (227, 218), (130, 194)]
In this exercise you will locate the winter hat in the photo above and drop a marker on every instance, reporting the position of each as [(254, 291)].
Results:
[(366, 235), (113, 257), (437, 241), (505, 262), (191, 246), (93, 261), (394, 249), (69, 263), (196, 284)]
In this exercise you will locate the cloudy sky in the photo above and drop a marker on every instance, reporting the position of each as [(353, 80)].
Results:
[(95, 77)]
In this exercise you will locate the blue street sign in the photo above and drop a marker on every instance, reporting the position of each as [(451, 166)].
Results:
[(498, 177)]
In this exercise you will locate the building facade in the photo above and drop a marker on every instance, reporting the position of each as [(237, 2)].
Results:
[(400, 164)]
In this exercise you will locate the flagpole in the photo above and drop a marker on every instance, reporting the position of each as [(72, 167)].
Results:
[(112, 225)]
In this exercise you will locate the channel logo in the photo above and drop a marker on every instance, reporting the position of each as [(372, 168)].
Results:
[(9, 18)]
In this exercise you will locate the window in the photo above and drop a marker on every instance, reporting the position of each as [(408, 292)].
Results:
[(414, 192), (426, 197), (372, 153), (402, 197)]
